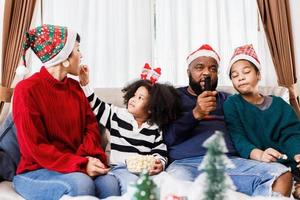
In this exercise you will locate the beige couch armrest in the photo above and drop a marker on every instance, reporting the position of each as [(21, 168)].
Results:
[(110, 95)]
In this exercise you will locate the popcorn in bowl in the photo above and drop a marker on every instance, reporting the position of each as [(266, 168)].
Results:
[(137, 164)]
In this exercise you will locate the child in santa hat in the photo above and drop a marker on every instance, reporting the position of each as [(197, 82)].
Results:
[(136, 129), (56, 128), (263, 128)]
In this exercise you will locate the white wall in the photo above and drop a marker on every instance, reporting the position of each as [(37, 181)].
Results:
[(295, 14)]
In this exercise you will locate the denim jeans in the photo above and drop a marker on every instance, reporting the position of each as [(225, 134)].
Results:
[(124, 177), (249, 176), (9, 149), (44, 184)]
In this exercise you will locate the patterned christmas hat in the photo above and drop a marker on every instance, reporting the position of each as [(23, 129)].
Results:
[(204, 50), (51, 44), (245, 52)]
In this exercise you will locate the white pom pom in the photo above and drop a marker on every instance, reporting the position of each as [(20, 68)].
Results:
[(22, 71)]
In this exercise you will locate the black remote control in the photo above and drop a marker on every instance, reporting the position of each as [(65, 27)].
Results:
[(207, 83)]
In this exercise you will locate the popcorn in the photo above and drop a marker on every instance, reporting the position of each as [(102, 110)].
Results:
[(137, 164)]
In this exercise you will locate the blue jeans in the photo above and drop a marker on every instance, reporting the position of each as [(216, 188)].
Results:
[(44, 184), (249, 176), (123, 176), (9, 149)]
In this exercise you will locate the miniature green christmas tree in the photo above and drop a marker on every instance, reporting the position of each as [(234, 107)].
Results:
[(145, 188), (213, 167)]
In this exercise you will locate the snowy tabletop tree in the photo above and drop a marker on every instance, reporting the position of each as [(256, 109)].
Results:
[(213, 167), (145, 188)]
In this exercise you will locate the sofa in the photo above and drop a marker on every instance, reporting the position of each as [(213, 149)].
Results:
[(114, 96)]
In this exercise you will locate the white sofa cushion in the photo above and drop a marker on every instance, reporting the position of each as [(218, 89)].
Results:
[(7, 192)]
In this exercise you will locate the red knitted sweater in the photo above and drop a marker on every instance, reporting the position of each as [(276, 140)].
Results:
[(56, 128)]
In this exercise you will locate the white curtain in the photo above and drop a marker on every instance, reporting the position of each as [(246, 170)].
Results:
[(182, 26), (116, 35), (295, 15), (119, 36), (1, 27)]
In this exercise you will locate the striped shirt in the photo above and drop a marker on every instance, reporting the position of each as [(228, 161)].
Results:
[(126, 138)]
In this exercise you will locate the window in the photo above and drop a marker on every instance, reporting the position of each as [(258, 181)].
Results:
[(119, 36)]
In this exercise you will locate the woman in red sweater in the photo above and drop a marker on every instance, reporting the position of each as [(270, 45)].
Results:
[(56, 129)]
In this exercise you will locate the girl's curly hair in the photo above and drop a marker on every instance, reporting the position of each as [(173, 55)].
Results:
[(164, 102)]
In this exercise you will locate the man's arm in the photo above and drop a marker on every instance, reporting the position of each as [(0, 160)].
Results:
[(180, 129)]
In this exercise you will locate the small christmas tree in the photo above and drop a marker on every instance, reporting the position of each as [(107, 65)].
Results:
[(213, 166), (144, 188)]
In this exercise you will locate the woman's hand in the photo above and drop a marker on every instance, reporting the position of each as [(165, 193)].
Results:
[(83, 75), (157, 167), (95, 167)]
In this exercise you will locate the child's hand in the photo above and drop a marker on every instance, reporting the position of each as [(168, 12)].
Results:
[(95, 167), (297, 159), (83, 75), (157, 167), (270, 155)]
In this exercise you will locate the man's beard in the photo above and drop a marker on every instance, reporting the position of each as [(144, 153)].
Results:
[(196, 86)]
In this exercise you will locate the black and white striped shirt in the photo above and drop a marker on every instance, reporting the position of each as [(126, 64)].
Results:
[(126, 138)]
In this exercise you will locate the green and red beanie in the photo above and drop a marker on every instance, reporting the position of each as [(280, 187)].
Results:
[(51, 44)]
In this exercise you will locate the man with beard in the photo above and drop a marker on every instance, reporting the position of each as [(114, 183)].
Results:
[(202, 116)]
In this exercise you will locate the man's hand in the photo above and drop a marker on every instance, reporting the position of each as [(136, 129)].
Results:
[(95, 167), (157, 167), (83, 75), (297, 159), (206, 103)]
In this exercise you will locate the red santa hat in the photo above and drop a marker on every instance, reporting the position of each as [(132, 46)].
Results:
[(245, 52), (204, 50)]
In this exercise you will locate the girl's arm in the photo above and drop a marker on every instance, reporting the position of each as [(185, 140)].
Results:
[(159, 150), (103, 111), (268, 155), (236, 130), (238, 135)]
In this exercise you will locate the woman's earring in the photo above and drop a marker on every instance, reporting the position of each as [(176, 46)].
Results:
[(66, 63)]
